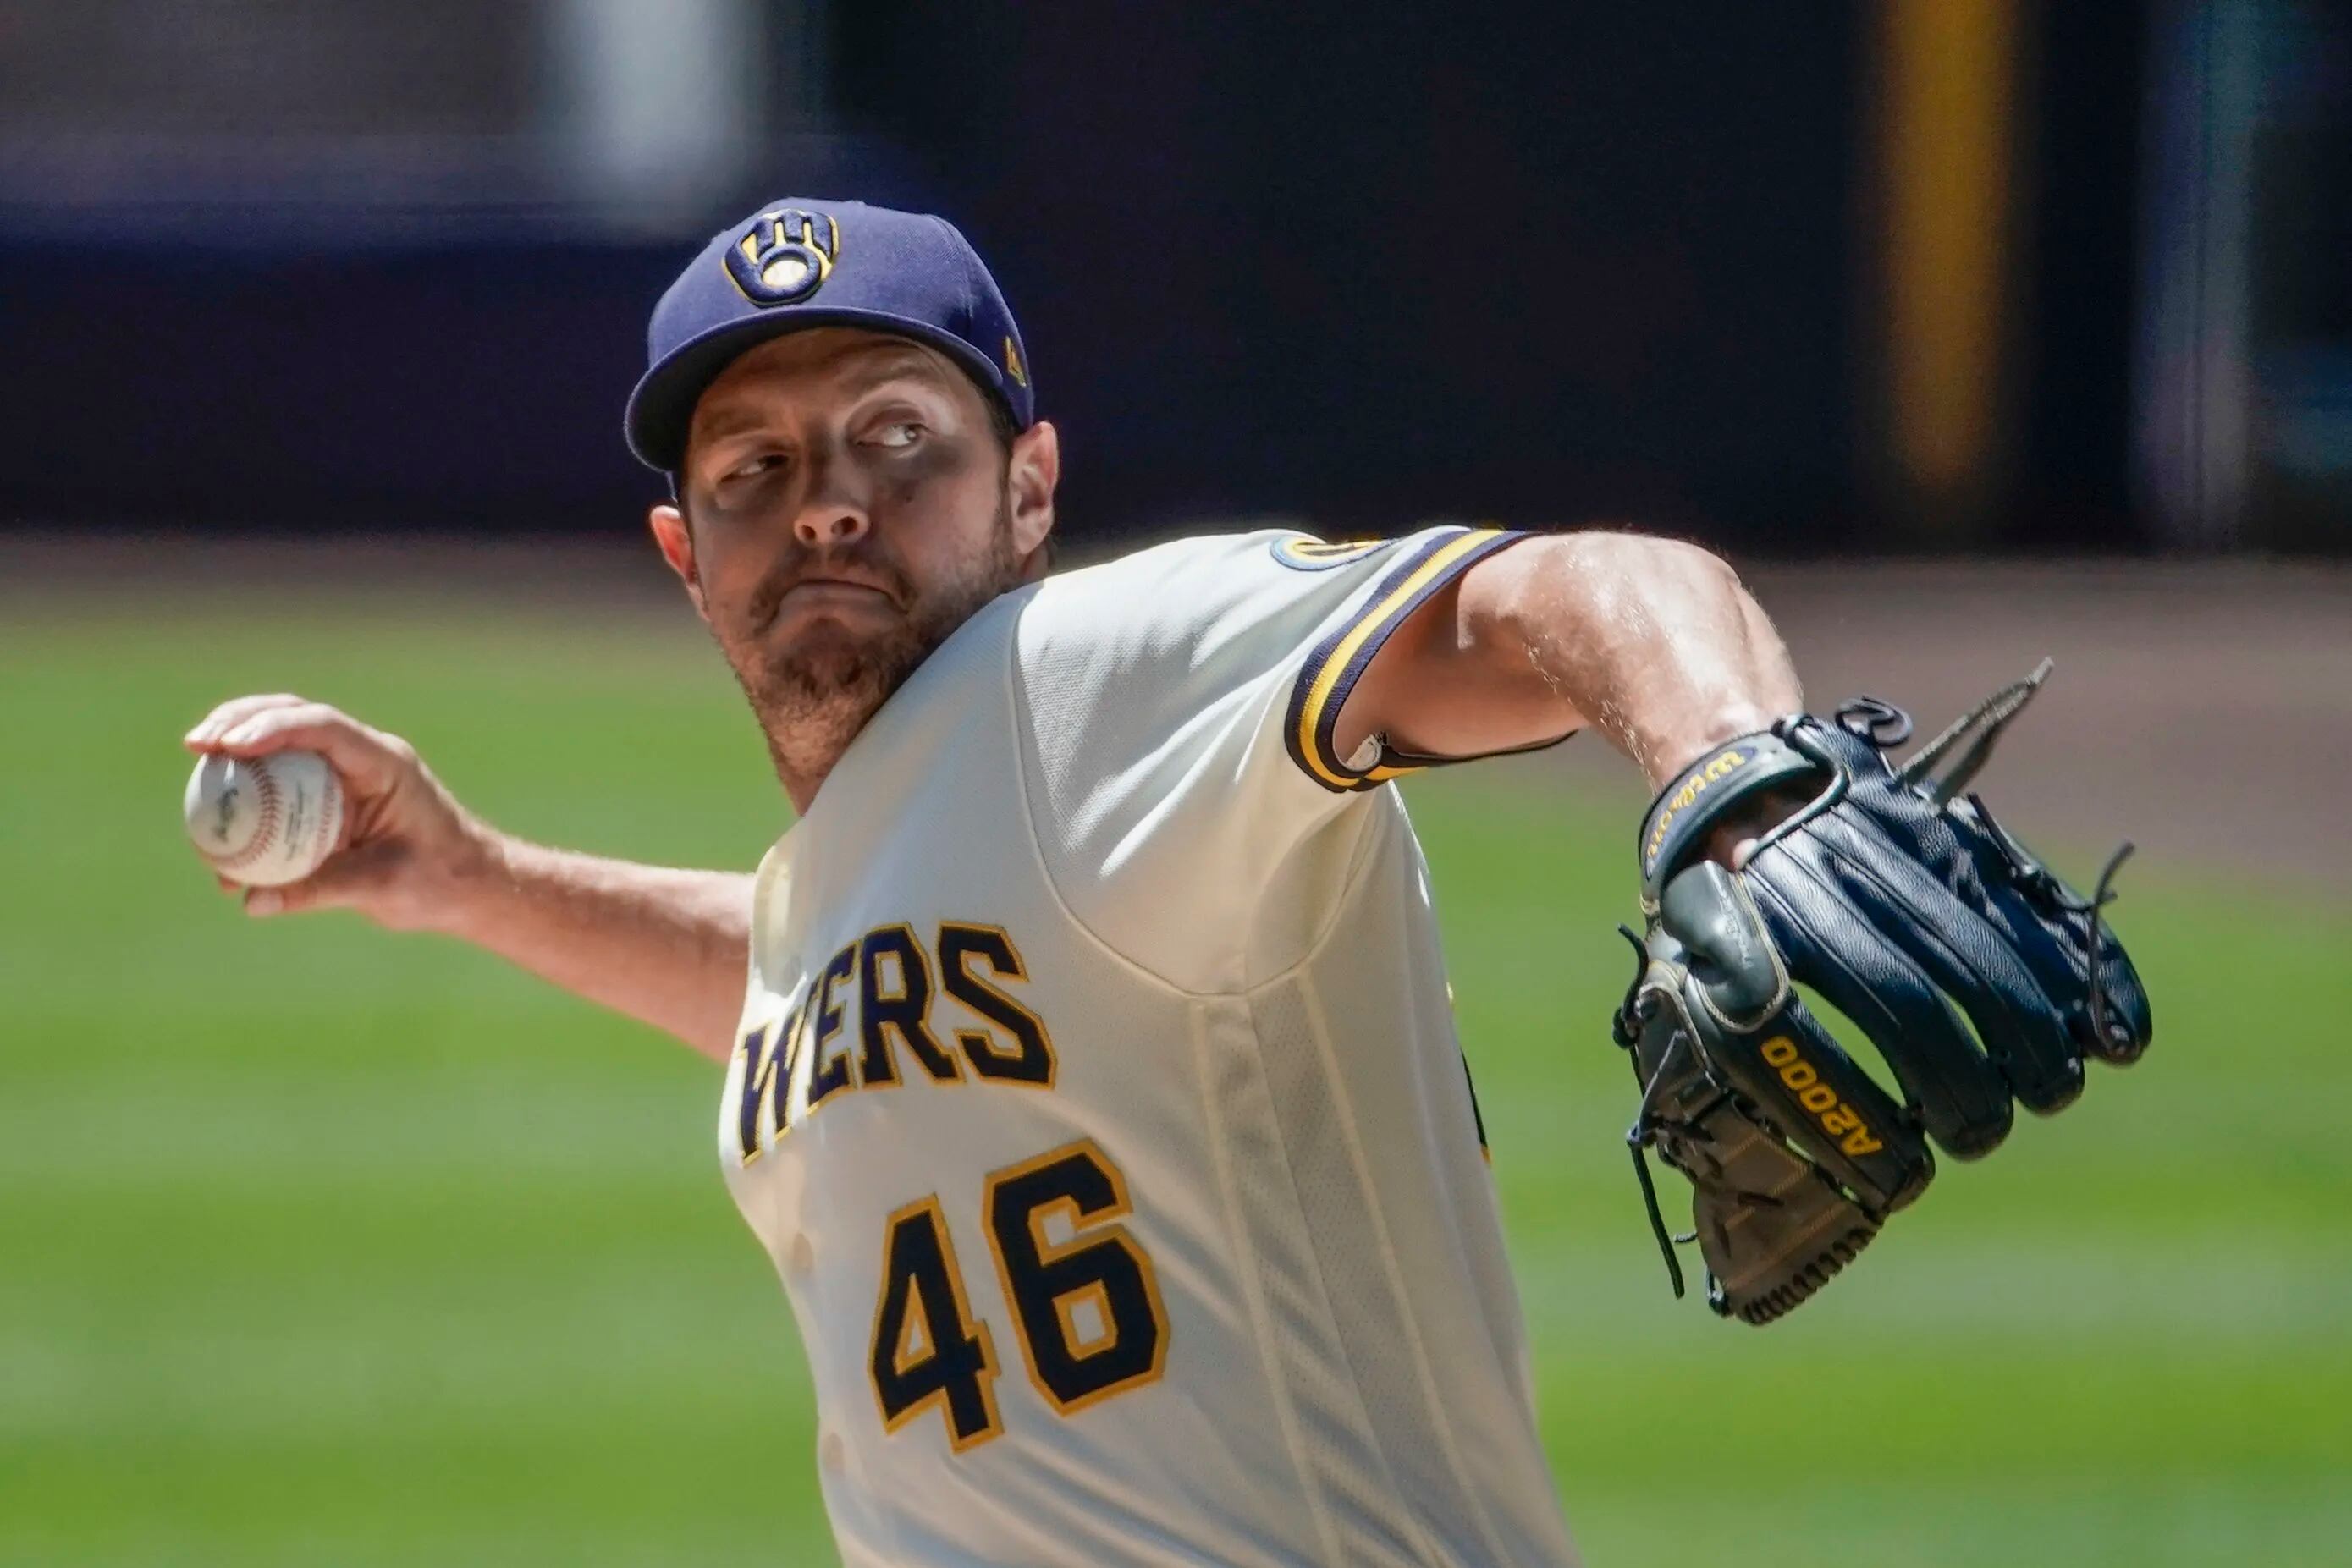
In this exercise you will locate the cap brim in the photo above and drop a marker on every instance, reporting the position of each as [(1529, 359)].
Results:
[(661, 407)]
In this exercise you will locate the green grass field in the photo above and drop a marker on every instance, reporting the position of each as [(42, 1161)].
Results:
[(329, 1247)]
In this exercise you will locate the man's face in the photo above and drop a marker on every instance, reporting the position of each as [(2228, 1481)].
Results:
[(850, 505)]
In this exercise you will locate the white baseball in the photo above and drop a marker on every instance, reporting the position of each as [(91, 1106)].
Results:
[(265, 820)]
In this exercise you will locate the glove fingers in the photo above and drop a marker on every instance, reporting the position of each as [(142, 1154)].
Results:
[(2057, 944), (2057, 940), (2128, 1004), (2007, 998), (1960, 1096)]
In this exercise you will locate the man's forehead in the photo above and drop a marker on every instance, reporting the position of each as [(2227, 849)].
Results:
[(844, 358)]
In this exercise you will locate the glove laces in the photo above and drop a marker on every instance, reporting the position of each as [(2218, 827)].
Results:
[(1993, 715)]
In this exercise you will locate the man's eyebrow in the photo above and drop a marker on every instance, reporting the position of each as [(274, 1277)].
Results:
[(727, 421), (892, 363)]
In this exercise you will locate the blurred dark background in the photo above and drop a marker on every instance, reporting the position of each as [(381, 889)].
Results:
[(1909, 277)]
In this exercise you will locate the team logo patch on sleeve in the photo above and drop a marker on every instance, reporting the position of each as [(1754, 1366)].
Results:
[(1302, 552)]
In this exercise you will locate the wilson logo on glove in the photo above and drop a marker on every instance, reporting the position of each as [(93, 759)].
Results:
[(1720, 766)]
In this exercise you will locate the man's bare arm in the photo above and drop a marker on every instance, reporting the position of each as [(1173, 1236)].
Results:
[(1651, 641), (667, 947)]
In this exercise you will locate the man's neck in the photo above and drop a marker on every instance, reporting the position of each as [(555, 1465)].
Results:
[(800, 792), (803, 774), (807, 747)]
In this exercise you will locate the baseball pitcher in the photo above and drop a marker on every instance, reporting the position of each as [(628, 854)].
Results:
[(1090, 1077)]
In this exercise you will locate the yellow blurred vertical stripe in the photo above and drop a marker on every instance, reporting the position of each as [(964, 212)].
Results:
[(1947, 140)]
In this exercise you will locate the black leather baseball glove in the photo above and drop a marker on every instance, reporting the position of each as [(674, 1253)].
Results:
[(1978, 974)]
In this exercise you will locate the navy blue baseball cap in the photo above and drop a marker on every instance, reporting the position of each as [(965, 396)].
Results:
[(806, 262)]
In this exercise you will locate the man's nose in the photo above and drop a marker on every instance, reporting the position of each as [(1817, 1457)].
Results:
[(833, 512), (826, 524)]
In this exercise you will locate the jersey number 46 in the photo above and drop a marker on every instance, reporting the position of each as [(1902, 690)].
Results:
[(1087, 1309)]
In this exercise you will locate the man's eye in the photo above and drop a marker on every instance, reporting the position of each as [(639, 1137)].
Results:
[(903, 433), (752, 467)]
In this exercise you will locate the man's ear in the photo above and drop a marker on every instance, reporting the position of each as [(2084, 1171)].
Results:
[(1033, 472), (676, 538)]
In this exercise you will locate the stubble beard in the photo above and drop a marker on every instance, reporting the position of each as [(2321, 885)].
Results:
[(814, 697)]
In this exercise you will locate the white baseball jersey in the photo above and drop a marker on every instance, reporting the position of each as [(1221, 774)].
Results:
[(1098, 1101)]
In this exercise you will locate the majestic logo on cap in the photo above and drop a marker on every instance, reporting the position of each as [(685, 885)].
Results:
[(785, 256)]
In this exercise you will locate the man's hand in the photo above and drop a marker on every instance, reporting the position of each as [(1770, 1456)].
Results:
[(408, 851), (1733, 843)]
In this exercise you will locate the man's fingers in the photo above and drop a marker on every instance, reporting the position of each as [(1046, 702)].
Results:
[(369, 761), (346, 882), (236, 711)]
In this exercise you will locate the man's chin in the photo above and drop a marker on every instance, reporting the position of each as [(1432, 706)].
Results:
[(825, 659), (825, 633)]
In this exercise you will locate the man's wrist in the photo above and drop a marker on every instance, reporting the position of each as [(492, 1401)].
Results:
[(1675, 754), (484, 877)]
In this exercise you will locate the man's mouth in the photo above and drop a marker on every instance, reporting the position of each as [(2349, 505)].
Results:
[(824, 589), (834, 588)]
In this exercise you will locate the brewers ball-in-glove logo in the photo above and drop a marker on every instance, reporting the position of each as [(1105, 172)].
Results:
[(785, 256)]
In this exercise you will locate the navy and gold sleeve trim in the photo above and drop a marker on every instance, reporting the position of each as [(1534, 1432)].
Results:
[(1336, 663)]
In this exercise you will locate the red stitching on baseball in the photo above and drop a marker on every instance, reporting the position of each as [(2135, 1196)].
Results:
[(266, 791)]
